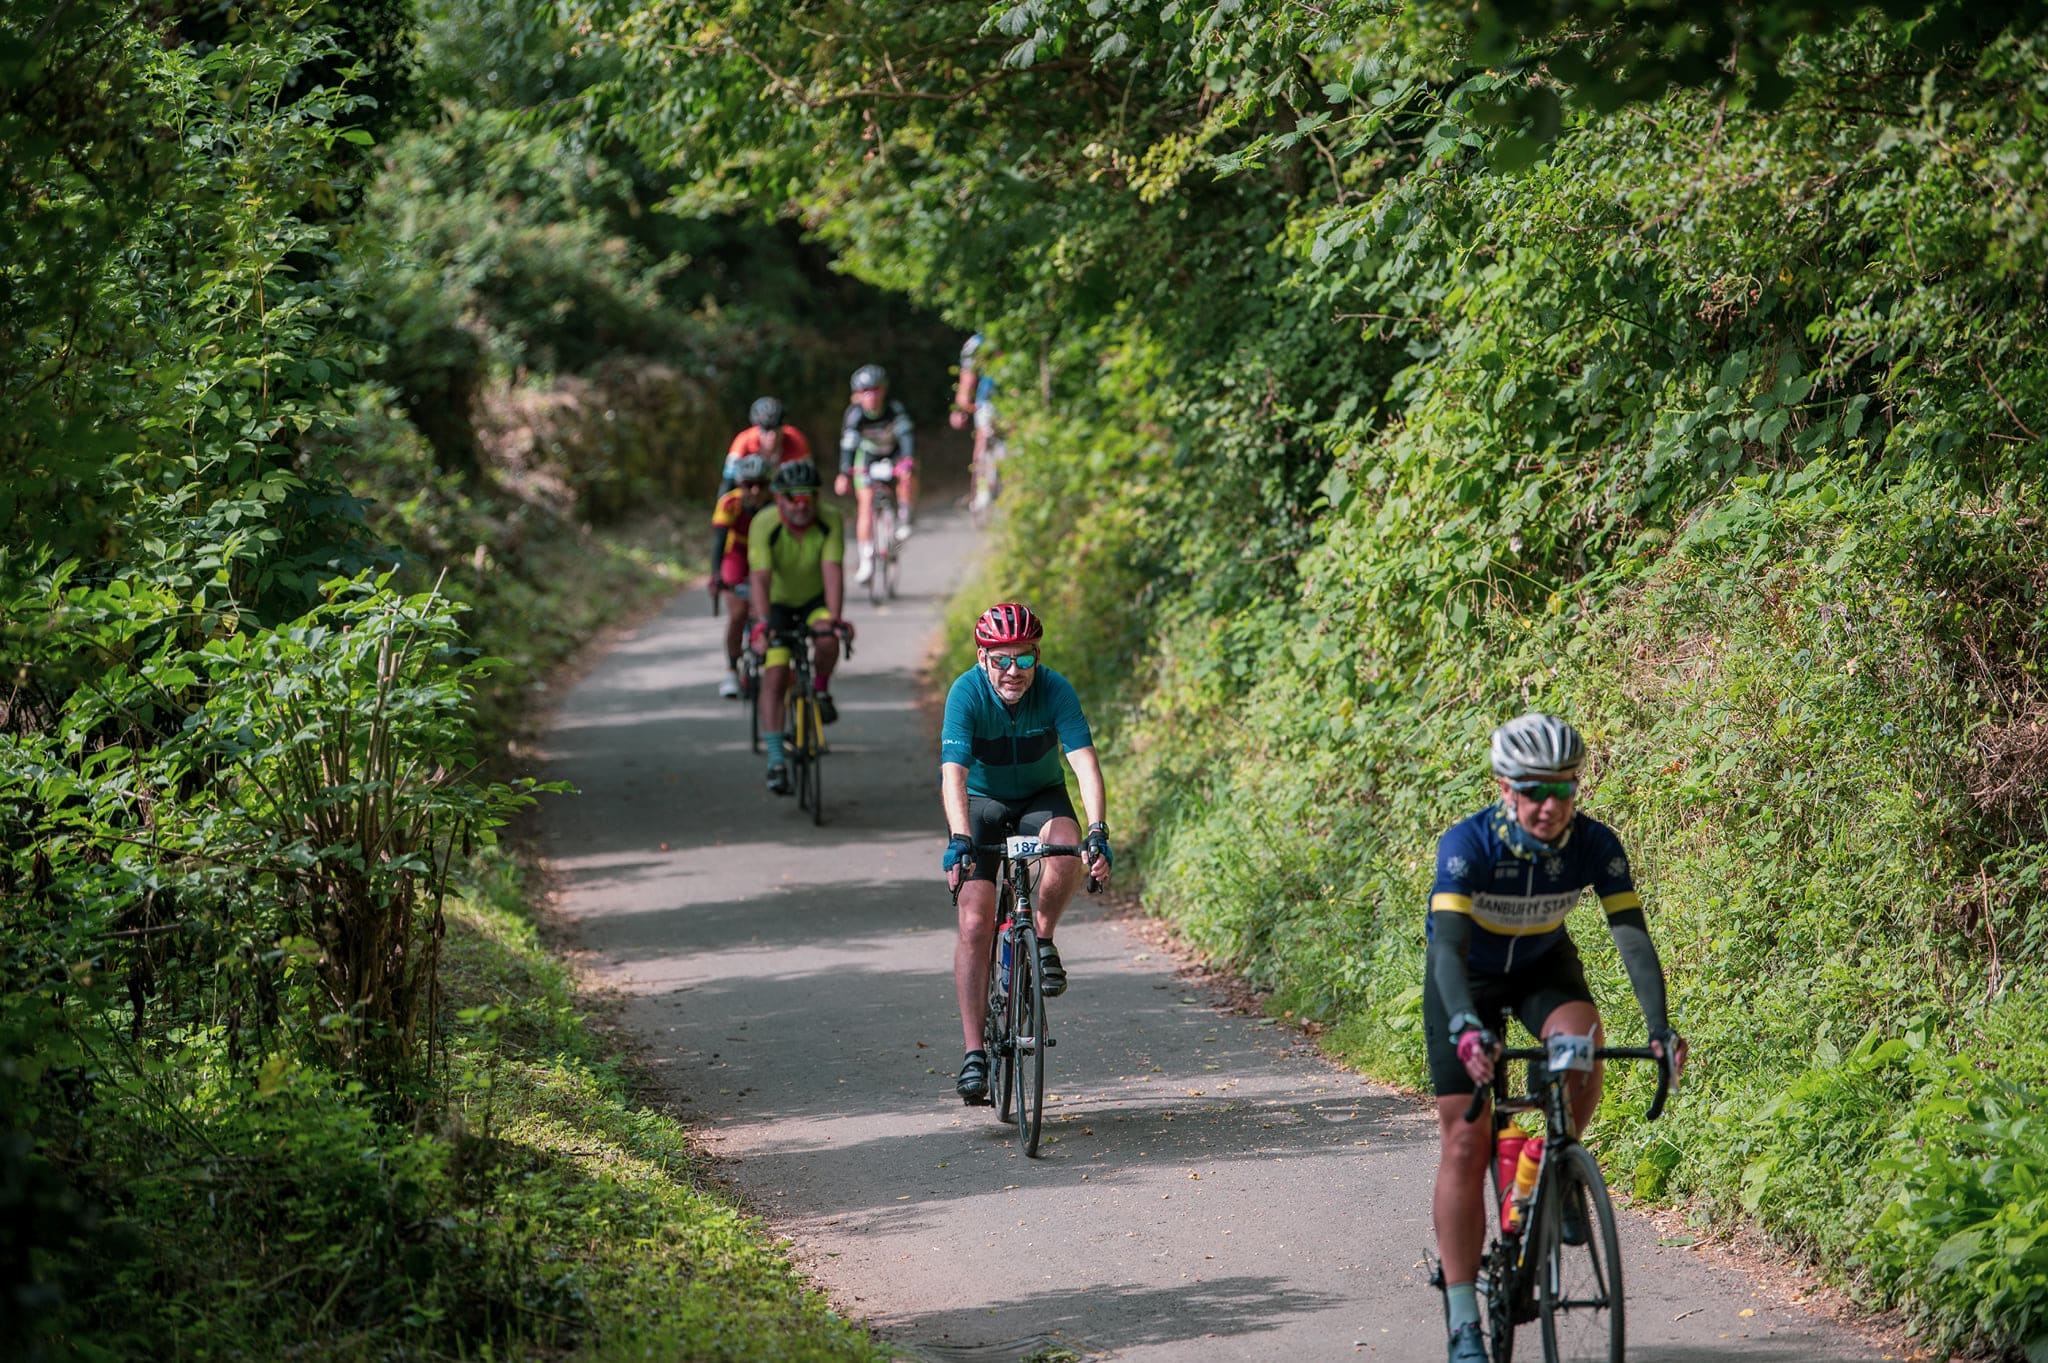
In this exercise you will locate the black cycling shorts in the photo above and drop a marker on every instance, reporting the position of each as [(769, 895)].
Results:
[(1532, 993), (794, 620), (990, 820)]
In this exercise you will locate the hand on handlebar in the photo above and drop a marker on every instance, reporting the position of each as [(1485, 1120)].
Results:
[(1671, 1048), (757, 637), (958, 863), (1477, 1047), (1097, 856)]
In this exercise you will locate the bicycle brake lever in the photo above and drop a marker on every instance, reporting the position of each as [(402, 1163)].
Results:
[(1663, 1086), (1478, 1103), (1094, 885)]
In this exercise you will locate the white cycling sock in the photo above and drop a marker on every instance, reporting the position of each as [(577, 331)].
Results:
[(1464, 1303)]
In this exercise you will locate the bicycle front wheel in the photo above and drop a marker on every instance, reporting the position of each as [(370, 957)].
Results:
[(1578, 1287), (884, 547), (1027, 1011), (801, 720), (1002, 1056), (816, 768)]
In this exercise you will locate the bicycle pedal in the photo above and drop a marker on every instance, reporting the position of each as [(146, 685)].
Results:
[(1050, 1043)]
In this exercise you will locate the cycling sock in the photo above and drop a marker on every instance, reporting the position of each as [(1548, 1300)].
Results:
[(1464, 1303), (821, 683), (774, 740)]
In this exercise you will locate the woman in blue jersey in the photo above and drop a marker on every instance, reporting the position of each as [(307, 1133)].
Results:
[(1007, 720), (1506, 877)]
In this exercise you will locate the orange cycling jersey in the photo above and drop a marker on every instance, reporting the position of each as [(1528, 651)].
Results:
[(793, 447)]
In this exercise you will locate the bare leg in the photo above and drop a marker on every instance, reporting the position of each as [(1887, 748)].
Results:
[(1580, 1019), (1459, 1208), (774, 681), (824, 657), (1062, 876), (970, 957)]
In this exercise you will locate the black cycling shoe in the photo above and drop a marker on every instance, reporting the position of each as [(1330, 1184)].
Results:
[(778, 778), (827, 711), (972, 1085), (1052, 975)]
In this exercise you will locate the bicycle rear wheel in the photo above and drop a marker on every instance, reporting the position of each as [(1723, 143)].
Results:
[(1027, 1011), (1578, 1287)]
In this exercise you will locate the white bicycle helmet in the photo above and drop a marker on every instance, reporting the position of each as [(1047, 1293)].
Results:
[(750, 468), (1536, 744)]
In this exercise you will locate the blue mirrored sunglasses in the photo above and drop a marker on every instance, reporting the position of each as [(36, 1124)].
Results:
[(1003, 662)]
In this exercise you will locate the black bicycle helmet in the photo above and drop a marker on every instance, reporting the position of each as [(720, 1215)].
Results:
[(766, 413), (798, 475)]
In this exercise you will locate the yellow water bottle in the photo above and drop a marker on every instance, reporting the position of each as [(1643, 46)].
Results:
[(1525, 1181)]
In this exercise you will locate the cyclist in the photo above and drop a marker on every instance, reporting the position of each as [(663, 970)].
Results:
[(1506, 877), (730, 519), (769, 436), (876, 428), (795, 556), (975, 399), (1007, 717)]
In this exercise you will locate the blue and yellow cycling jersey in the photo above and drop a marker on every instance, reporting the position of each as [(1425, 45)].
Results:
[(1517, 899), (1010, 754)]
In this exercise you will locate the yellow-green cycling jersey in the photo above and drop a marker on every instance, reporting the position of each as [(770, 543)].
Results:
[(795, 558)]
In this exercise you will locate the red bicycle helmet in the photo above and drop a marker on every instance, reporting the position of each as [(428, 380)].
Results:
[(1007, 623)]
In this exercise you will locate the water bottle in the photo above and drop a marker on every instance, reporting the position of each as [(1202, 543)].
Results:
[(1004, 957), (1525, 1181), (1507, 1150)]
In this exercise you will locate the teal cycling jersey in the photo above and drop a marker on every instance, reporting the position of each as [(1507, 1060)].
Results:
[(1011, 753), (1518, 897)]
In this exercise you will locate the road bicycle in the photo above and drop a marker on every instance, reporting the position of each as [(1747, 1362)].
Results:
[(803, 724), (883, 513), (1530, 1271), (1015, 1032)]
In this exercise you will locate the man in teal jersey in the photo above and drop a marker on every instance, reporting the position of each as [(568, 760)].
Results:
[(1007, 720)]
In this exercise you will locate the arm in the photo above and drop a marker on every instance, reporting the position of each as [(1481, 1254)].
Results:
[(1089, 772), (760, 568), (835, 587), (1645, 971), (953, 793), (904, 442), (833, 567), (1088, 769), (1450, 940), (963, 397)]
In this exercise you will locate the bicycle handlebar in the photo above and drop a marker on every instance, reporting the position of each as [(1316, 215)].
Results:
[(1538, 1053), (1045, 849)]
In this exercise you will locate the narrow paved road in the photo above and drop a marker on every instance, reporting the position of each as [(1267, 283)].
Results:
[(1211, 1188)]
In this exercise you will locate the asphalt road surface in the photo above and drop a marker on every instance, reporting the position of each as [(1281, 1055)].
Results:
[(1210, 1186)]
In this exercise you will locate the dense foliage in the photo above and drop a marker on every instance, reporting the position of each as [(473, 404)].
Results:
[(1717, 425), (325, 345)]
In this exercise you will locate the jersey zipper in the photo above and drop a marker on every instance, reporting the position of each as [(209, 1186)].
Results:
[(1528, 892)]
